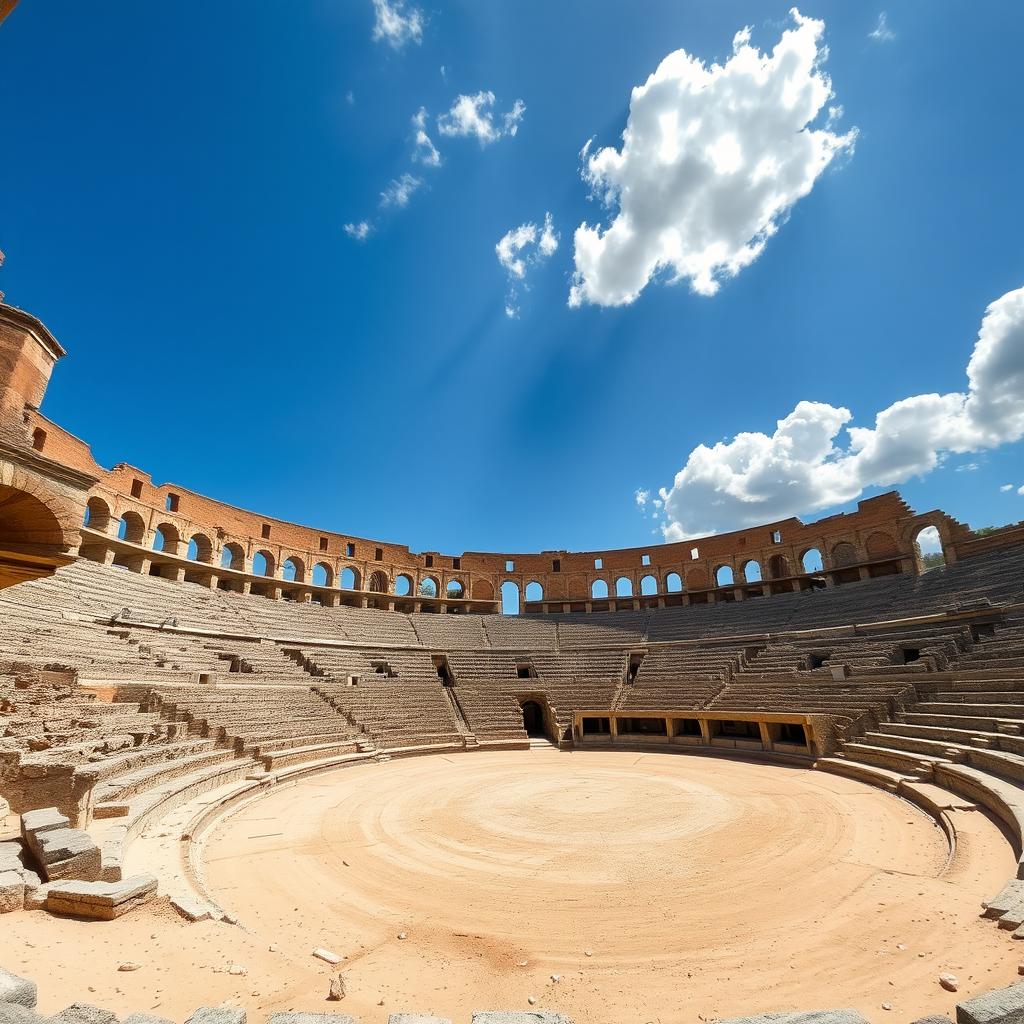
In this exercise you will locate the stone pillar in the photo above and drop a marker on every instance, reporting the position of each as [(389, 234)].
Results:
[(705, 732), (108, 556), (613, 725), (766, 736)]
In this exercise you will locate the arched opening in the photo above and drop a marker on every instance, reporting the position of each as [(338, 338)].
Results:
[(778, 567), (483, 590), (349, 578), (533, 719), (26, 523), (648, 586), (200, 548), (293, 570), (623, 587), (599, 590), (378, 582), (263, 564), (232, 556), (322, 575), (843, 554), (131, 528), (97, 515), (428, 587), (673, 583), (534, 591), (752, 571), (812, 561), (928, 549), (455, 590), (403, 585), (510, 598), (165, 538), (723, 576)]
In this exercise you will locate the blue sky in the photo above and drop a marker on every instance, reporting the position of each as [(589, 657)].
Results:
[(173, 201)]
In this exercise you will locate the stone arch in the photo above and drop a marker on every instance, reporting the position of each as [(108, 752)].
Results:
[(132, 528), (844, 554), (200, 548), (429, 587), (97, 515), (623, 587), (534, 591), (293, 569), (881, 545), (232, 556), (812, 560), (166, 539), (263, 563), (724, 576), (751, 571), (323, 575), (26, 522), (350, 578), (510, 603), (455, 590), (403, 585), (378, 582), (936, 555), (778, 567), (673, 583), (483, 590), (648, 585), (599, 590)]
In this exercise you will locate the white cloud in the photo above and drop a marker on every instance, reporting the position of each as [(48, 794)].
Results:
[(399, 191), (968, 467), (360, 231), (424, 150), (1006, 487), (641, 496), (1020, 490), (712, 160), (397, 25), (802, 467), (521, 248), (928, 541), (473, 116), (881, 33)]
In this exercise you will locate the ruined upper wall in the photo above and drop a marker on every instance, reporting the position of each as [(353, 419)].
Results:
[(877, 538)]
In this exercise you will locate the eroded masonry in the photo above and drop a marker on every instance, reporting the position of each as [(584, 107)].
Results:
[(165, 657)]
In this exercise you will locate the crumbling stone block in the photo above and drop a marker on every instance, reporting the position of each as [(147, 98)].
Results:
[(67, 853), (16, 990), (1003, 1006), (12, 891), (416, 1018), (518, 1017), (805, 1017), (83, 1013), (101, 900), (311, 1018), (217, 1015), (42, 820)]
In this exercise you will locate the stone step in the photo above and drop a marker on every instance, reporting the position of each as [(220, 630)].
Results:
[(874, 775)]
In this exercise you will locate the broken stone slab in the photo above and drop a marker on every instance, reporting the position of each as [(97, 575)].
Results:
[(193, 909), (12, 891), (1006, 899), (12, 856), (145, 1018), (12, 1013), (43, 820), (101, 900), (217, 1015), (17, 990), (518, 1017), (808, 1017), (311, 1018), (67, 853), (83, 1013), (416, 1018), (1003, 1006), (933, 1020), (36, 891)]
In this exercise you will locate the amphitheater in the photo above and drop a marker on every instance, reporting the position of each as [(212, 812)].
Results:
[(255, 770)]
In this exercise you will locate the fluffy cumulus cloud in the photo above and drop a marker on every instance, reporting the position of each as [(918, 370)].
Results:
[(396, 24), (521, 248), (806, 464), (712, 160), (474, 117), (928, 541), (424, 151)]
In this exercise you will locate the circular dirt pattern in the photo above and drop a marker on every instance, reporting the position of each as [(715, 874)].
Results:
[(696, 885)]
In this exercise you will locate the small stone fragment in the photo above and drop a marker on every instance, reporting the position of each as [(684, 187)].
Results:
[(336, 992), (327, 955), (237, 970), (402, 935), (129, 965), (949, 982)]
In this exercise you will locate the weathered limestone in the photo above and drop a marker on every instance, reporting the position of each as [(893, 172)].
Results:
[(518, 1017), (145, 1018), (192, 909), (11, 856), (83, 1013), (43, 820), (12, 1013), (311, 1018), (1003, 1006), (16, 990), (67, 853), (101, 900), (807, 1017), (217, 1015), (12, 891)]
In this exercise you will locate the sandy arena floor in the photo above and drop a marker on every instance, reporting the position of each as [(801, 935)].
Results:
[(701, 887)]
